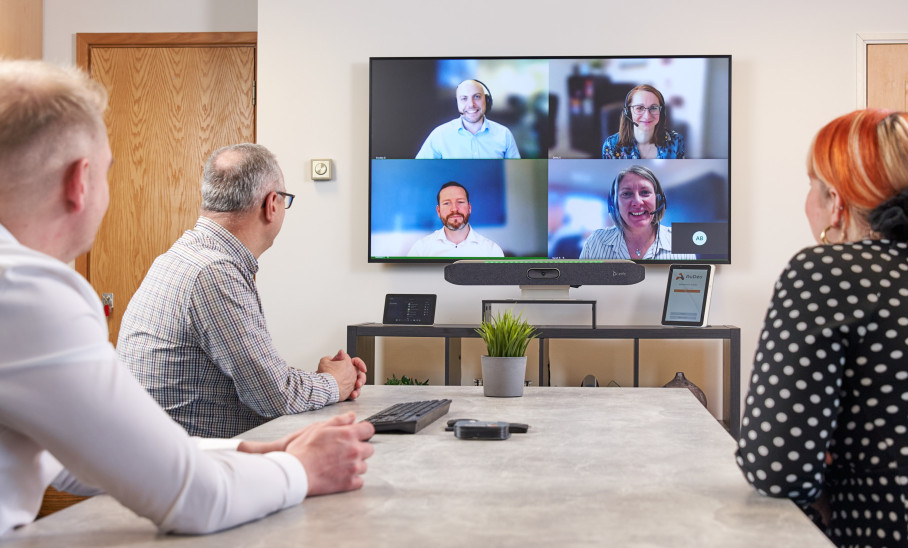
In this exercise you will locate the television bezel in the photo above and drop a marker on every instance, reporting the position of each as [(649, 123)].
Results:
[(449, 260)]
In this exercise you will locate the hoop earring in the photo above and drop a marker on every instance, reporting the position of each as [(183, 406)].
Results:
[(823, 238)]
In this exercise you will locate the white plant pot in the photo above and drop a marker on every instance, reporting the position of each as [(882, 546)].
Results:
[(503, 377)]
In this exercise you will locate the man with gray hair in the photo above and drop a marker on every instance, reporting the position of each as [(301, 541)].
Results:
[(71, 415), (194, 333)]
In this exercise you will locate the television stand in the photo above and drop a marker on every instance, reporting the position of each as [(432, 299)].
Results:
[(361, 342)]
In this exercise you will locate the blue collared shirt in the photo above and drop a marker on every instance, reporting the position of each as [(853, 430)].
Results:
[(451, 140)]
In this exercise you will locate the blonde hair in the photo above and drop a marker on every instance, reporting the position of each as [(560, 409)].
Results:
[(41, 106)]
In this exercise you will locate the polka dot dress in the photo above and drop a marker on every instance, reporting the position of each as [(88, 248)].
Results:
[(831, 375)]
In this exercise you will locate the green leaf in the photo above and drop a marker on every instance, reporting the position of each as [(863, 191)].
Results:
[(405, 380), (506, 335)]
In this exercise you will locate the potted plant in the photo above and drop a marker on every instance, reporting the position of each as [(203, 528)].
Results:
[(505, 364), (404, 380)]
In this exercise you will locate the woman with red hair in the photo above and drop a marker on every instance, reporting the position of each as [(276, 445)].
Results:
[(826, 417)]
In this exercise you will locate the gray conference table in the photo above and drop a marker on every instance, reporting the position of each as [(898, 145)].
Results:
[(599, 466)]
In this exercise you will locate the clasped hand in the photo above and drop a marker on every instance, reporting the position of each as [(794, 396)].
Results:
[(350, 373)]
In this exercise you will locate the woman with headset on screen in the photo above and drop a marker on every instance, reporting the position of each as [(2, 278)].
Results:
[(825, 422), (642, 133), (636, 204)]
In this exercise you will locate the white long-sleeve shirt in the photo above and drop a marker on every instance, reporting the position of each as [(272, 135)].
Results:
[(69, 410)]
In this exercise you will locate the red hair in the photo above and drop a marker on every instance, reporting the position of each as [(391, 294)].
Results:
[(862, 155)]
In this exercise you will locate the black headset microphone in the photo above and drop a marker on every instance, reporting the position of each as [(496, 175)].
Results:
[(661, 206), (661, 200), (627, 109), (488, 95)]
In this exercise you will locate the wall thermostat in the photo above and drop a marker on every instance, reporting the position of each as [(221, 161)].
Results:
[(321, 170)]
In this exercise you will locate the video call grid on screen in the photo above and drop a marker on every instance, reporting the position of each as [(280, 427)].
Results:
[(558, 112)]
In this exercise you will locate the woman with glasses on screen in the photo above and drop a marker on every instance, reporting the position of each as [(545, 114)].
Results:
[(642, 133), (825, 422)]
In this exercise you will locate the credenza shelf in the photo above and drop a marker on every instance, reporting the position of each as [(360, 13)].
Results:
[(361, 342)]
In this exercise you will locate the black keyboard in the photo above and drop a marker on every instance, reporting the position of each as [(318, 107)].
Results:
[(409, 417)]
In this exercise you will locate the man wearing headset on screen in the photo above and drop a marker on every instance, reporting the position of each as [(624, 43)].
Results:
[(456, 238), (472, 135)]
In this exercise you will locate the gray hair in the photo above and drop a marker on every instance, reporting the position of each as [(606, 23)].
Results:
[(238, 177)]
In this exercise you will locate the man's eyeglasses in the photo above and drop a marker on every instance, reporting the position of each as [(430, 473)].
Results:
[(288, 199), (640, 109)]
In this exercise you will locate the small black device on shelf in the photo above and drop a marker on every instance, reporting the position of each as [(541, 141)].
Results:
[(687, 295), (409, 417), (409, 309)]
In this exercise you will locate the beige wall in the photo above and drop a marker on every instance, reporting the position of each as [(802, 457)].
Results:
[(793, 70)]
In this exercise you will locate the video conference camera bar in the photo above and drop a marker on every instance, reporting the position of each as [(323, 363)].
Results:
[(560, 273)]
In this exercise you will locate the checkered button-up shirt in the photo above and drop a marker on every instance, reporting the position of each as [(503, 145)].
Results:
[(195, 337)]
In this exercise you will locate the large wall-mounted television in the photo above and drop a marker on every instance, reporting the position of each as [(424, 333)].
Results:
[(555, 155)]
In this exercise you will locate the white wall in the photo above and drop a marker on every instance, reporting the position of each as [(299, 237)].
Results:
[(793, 68), (64, 18)]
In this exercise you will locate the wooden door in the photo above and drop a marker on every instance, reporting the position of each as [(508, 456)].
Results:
[(171, 104), (887, 76), (21, 29)]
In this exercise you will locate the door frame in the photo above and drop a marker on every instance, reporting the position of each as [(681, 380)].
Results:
[(862, 41), (86, 41)]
